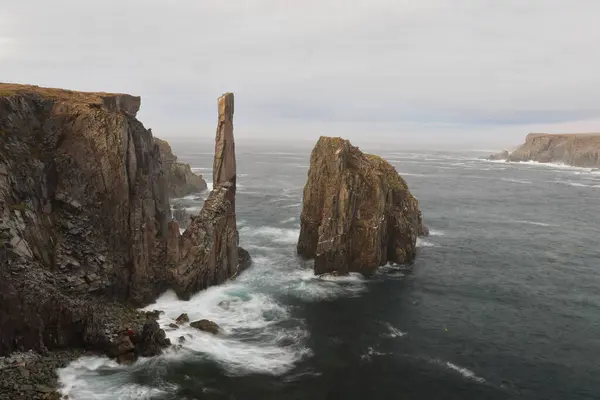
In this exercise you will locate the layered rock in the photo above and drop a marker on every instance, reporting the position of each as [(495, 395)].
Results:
[(357, 212), (580, 150), (208, 253), (85, 225), (181, 180)]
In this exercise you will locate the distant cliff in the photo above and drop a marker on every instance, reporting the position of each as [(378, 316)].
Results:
[(580, 150), (85, 220), (357, 212), (181, 181)]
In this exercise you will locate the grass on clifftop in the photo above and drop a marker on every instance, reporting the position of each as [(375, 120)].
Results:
[(11, 89)]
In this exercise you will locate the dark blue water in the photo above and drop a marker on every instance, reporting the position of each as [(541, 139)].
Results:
[(502, 302)]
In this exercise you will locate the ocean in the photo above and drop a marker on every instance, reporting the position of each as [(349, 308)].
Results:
[(502, 302)]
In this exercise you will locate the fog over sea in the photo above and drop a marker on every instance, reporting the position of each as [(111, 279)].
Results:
[(502, 302)]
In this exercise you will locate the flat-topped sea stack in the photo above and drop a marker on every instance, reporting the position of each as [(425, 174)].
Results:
[(357, 212), (579, 150)]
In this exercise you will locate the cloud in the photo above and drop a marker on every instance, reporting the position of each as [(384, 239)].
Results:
[(465, 67)]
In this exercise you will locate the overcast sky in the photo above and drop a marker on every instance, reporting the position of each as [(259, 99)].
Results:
[(416, 71)]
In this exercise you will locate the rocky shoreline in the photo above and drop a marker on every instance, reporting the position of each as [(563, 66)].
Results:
[(86, 232), (577, 150)]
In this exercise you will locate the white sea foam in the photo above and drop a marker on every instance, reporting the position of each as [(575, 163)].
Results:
[(259, 334), (393, 332), (370, 353), (424, 243), (288, 220), (577, 184), (552, 165), (103, 379), (515, 180), (529, 222), (277, 235), (467, 373), (435, 232), (293, 205)]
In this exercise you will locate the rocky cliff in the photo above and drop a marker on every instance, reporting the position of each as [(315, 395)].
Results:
[(85, 222), (208, 253), (580, 150), (357, 212), (181, 181)]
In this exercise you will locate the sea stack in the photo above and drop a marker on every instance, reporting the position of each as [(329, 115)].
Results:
[(207, 253), (357, 212)]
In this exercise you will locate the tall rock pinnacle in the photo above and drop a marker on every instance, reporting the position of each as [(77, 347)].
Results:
[(208, 253), (224, 162)]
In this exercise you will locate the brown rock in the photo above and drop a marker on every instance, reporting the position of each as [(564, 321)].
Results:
[(84, 220), (151, 341), (208, 253), (173, 326), (181, 180), (121, 345), (503, 155), (224, 166), (580, 150), (206, 326), (182, 319), (357, 211)]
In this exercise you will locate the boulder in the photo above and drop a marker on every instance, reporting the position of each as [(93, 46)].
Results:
[(182, 319), (206, 326), (151, 341), (357, 212)]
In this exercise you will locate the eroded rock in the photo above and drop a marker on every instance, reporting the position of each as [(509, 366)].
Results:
[(206, 326), (207, 253), (181, 180), (182, 319), (358, 213), (579, 150)]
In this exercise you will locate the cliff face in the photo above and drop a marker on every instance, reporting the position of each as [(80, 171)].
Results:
[(83, 190), (84, 221), (580, 150), (208, 253), (357, 212), (181, 181)]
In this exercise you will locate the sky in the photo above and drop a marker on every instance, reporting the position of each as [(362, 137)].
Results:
[(434, 72)]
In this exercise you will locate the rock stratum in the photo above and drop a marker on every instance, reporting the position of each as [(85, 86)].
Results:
[(181, 180), (85, 226), (357, 212), (579, 150)]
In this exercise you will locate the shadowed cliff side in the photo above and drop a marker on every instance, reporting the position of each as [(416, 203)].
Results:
[(84, 223), (208, 253), (357, 212), (579, 150), (181, 181)]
